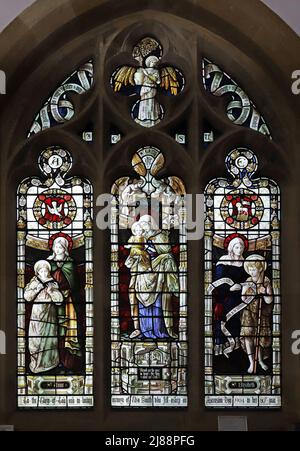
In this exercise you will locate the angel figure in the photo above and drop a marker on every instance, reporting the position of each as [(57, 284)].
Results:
[(146, 81)]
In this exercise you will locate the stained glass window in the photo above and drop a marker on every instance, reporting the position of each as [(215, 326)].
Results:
[(240, 108), (149, 287), (55, 287), (149, 264), (59, 107), (146, 80), (242, 288)]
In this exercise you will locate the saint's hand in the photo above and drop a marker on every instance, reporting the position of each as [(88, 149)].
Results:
[(236, 287), (261, 290)]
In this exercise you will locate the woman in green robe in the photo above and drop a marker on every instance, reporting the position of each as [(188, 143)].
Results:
[(63, 271)]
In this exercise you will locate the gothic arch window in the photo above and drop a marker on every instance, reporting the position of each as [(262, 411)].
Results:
[(55, 287), (87, 86), (242, 292), (149, 287)]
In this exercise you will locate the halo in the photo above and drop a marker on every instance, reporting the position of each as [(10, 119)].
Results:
[(231, 237), (256, 258), (61, 235)]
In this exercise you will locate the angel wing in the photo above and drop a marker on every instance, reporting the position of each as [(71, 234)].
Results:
[(126, 218), (119, 185), (177, 185), (169, 80), (123, 76)]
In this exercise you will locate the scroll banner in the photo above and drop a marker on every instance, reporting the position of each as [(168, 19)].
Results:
[(247, 300)]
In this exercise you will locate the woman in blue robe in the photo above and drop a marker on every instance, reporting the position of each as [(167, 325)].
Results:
[(152, 324), (154, 289)]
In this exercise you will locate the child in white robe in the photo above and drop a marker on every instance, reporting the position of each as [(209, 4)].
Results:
[(44, 292)]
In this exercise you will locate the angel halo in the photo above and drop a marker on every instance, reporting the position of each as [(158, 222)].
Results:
[(146, 80)]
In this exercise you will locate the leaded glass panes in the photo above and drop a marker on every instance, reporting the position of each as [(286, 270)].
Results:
[(59, 107), (146, 80), (240, 108), (55, 287), (242, 288), (148, 275), (149, 287)]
